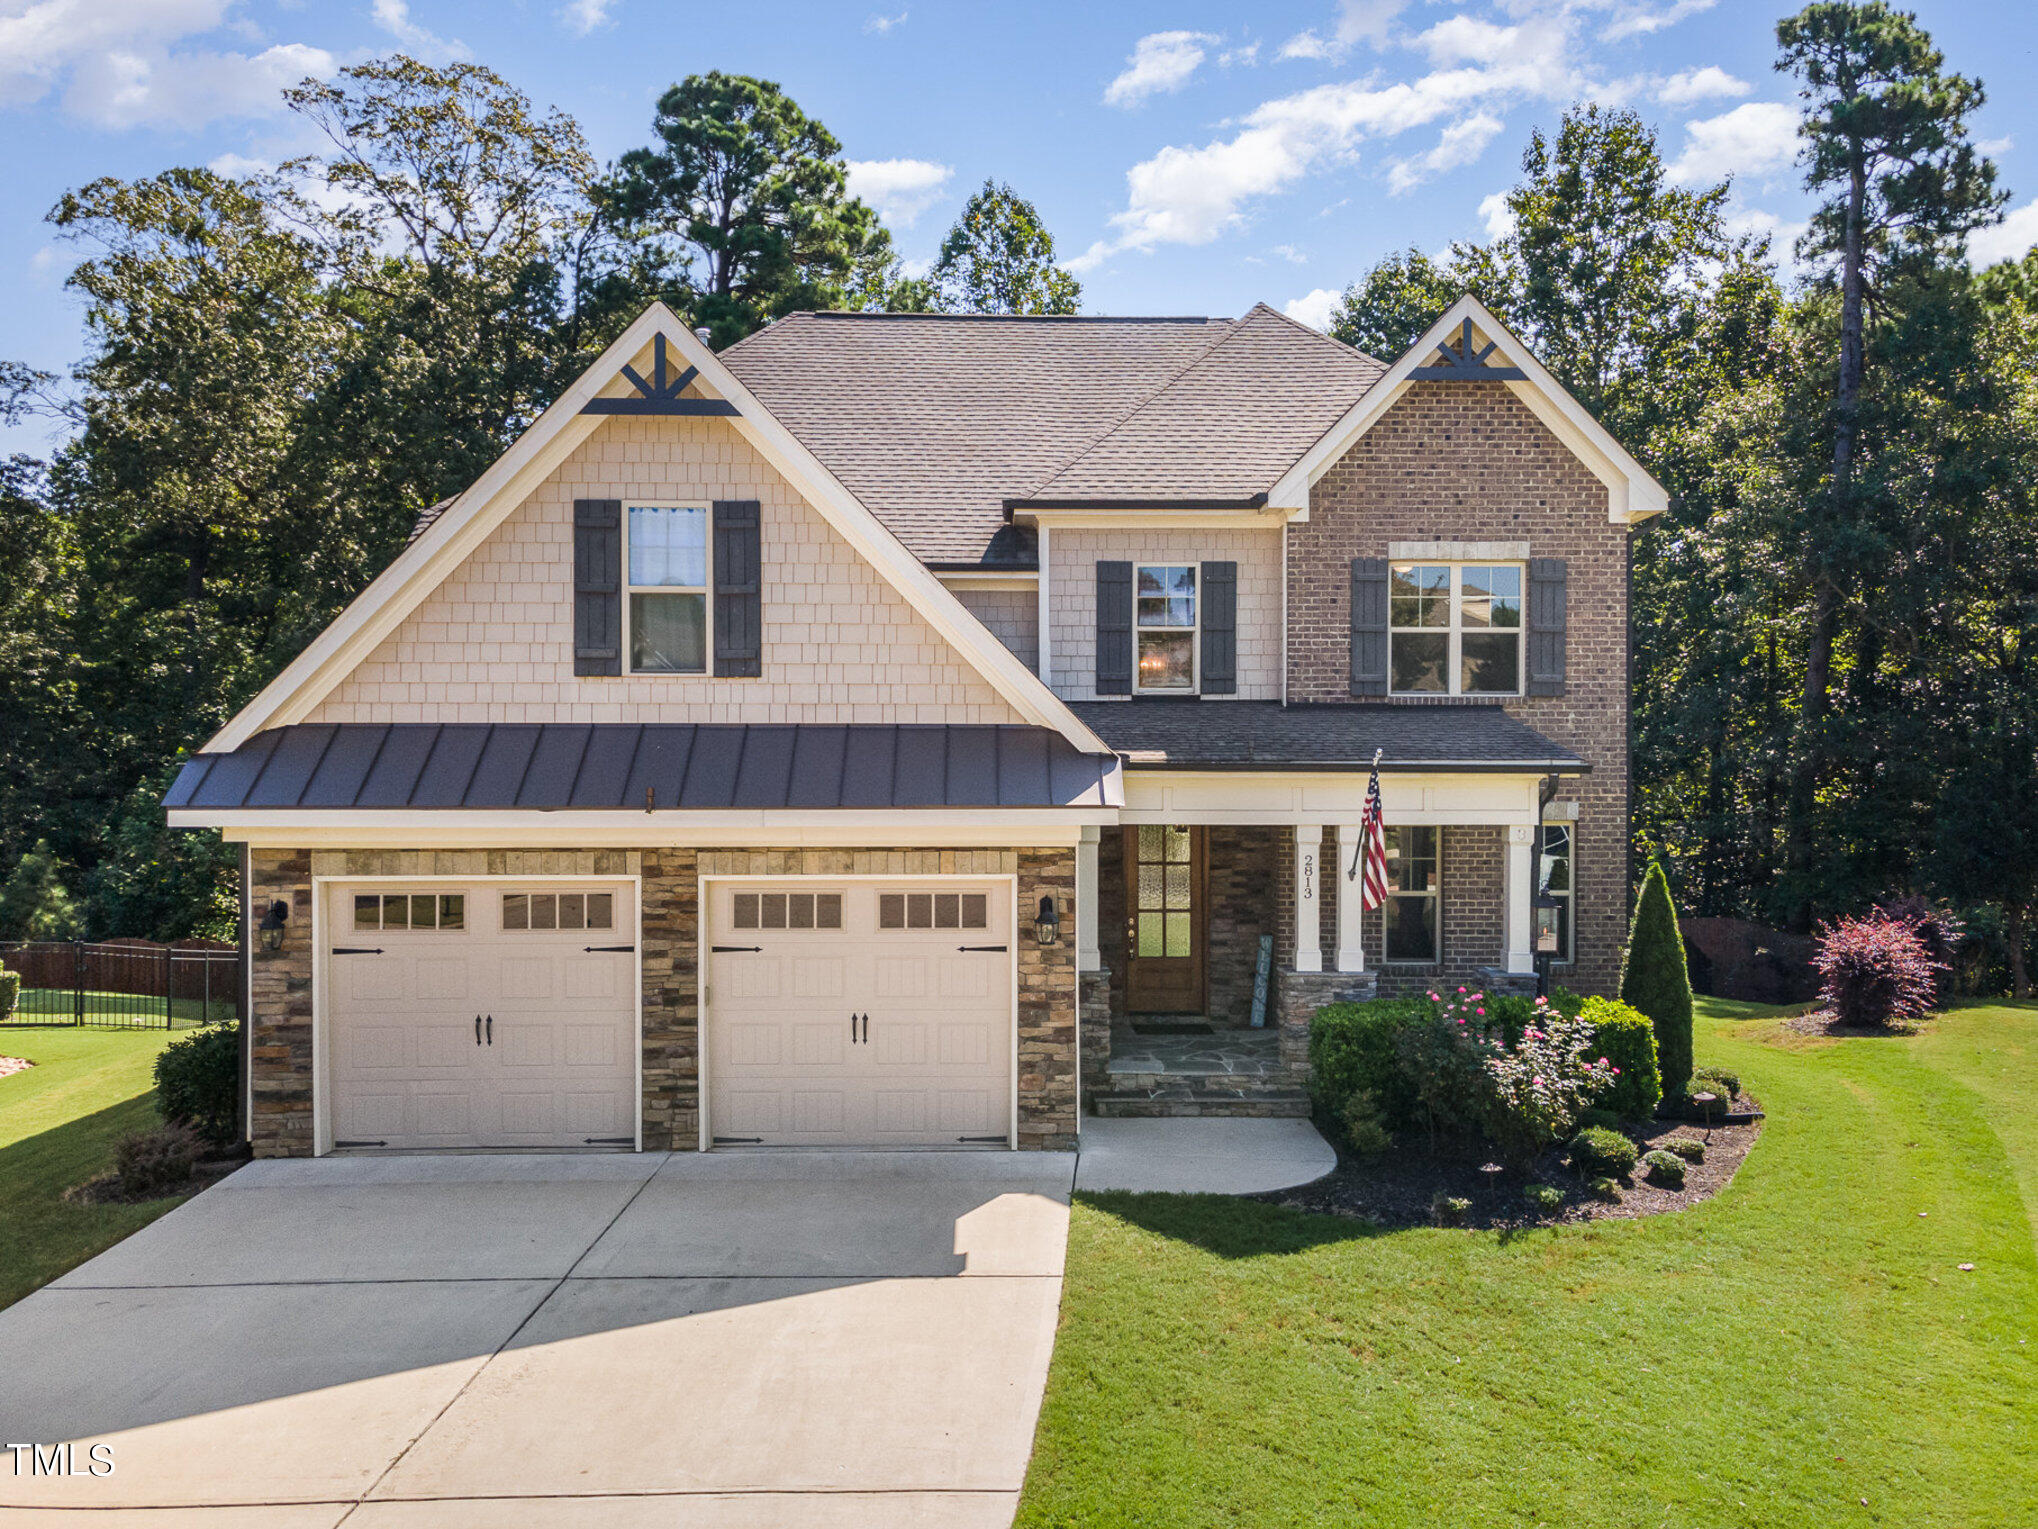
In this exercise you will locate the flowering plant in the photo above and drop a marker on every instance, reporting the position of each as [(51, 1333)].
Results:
[(1535, 1090)]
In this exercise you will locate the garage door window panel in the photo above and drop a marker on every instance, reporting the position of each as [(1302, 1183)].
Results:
[(558, 910), (383, 911), (933, 910)]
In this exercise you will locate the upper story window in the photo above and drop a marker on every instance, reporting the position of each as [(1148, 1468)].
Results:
[(1455, 628), (1164, 597), (667, 558)]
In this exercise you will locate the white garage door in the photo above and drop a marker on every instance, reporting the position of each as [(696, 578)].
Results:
[(482, 1015), (860, 1013)]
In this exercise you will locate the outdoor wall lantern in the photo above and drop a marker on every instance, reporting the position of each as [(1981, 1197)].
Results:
[(272, 925), (1047, 925)]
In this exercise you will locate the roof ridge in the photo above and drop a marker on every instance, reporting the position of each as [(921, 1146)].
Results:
[(1005, 318), (1111, 428), (1209, 352)]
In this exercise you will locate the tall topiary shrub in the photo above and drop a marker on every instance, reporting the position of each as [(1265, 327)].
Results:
[(10, 991), (1654, 979)]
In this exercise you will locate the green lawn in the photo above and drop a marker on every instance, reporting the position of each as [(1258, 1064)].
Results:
[(1800, 1345), (58, 1123)]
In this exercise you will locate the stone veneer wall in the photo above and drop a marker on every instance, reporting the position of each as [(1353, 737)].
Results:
[(282, 1039), (1469, 462)]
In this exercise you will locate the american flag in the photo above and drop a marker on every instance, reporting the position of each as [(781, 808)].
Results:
[(1372, 856)]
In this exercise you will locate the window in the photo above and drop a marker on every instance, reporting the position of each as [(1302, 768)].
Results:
[(1455, 628), (1164, 899), (410, 910), (1165, 605), (1553, 880), (668, 589), (933, 910), (558, 910), (788, 910), (1411, 911)]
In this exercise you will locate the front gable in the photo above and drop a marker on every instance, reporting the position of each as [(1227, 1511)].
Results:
[(474, 619)]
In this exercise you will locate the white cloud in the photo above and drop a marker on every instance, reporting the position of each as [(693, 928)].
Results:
[(393, 16), (1193, 195), (1160, 62), (900, 189), (1994, 148), (585, 16), (1497, 216), (2010, 239), (1316, 309), (1644, 20), (1753, 142), (1245, 53), (1462, 142), (883, 24), (1690, 85), (1367, 21), (1289, 253)]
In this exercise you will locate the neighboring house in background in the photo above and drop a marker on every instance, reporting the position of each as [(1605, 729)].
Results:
[(874, 734)]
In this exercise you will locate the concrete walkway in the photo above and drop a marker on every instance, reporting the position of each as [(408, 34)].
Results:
[(721, 1342), (1212, 1155)]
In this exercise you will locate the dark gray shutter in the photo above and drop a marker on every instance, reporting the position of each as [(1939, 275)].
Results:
[(1369, 626), (1219, 594), (1546, 626), (739, 589), (597, 586), (1114, 629)]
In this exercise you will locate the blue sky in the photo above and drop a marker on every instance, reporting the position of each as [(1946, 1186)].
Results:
[(1189, 157)]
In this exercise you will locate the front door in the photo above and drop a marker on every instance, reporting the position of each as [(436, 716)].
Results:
[(1165, 869)]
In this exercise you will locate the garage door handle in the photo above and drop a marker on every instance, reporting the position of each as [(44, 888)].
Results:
[(477, 1029), (491, 1029), (866, 1029)]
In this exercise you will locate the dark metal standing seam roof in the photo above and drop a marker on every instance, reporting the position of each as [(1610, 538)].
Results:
[(556, 766), (1265, 735)]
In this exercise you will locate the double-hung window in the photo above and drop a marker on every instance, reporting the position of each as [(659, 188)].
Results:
[(667, 560), (1165, 603), (1554, 893), (1411, 915), (1455, 628)]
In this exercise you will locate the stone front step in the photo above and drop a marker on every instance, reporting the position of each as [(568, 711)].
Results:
[(1172, 1103)]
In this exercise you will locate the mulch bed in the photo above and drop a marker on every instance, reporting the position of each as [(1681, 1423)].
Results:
[(1824, 1022), (106, 1190), (1396, 1190), (14, 1064)]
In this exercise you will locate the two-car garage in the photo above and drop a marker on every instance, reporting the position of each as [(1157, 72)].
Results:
[(491, 1014)]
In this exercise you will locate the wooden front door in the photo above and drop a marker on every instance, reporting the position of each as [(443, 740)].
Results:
[(1165, 871)]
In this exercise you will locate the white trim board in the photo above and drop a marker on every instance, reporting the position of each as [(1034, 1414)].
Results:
[(1632, 493), (449, 540)]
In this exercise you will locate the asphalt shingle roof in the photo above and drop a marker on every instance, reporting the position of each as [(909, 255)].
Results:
[(1189, 734), (935, 421)]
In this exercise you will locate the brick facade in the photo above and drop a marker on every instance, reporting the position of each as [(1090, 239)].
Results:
[(282, 1049), (1469, 462)]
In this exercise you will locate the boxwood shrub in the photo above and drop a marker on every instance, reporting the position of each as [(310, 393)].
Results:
[(198, 1083), (1355, 1047), (1599, 1153), (1665, 1168), (1626, 1038)]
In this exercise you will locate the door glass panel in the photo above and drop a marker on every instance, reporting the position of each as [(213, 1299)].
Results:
[(452, 911), (396, 912), (1178, 934), (919, 910), (975, 910), (772, 908), (827, 910), (601, 910), (368, 912), (947, 910), (1152, 935), (891, 910), (544, 910), (1177, 840), (1150, 837), (516, 911), (746, 910), (1178, 886), (1152, 886), (573, 910)]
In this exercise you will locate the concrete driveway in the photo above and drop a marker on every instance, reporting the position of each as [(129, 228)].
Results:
[(533, 1341)]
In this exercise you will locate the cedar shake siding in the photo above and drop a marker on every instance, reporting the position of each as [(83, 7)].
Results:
[(1010, 615), (1469, 462), (495, 641)]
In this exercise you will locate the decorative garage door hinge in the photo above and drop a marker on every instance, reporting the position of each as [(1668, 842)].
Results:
[(618, 949), (357, 950), (337, 1143), (739, 1141), (726, 949)]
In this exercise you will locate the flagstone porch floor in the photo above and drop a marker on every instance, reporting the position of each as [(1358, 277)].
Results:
[(1226, 1053)]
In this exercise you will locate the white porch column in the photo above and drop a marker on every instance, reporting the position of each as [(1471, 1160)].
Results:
[(1308, 888), (1089, 958), (1351, 944), (1521, 848)]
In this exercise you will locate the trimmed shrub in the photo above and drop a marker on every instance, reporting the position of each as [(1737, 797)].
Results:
[(1664, 1168), (1690, 1148), (1716, 1080), (1354, 1046), (1603, 1119), (1625, 1037), (1365, 1133), (1875, 970), (1599, 1153), (1544, 1197), (10, 992), (1654, 978), (1607, 1190), (198, 1083), (1449, 1210), (147, 1164)]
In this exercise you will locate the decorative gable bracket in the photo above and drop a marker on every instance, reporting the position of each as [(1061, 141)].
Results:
[(660, 395), (1463, 365)]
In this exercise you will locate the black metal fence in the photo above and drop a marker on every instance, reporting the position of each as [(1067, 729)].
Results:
[(124, 984)]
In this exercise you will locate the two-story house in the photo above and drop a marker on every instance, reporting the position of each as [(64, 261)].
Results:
[(909, 729)]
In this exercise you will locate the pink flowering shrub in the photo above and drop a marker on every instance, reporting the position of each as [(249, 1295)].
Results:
[(1534, 1090), (1876, 970), (1440, 1065)]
